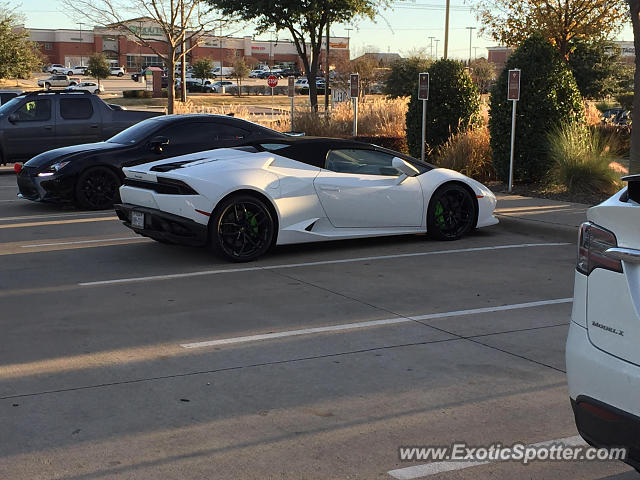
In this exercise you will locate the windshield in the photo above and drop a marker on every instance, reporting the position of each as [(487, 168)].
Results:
[(136, 133), (8, 107)]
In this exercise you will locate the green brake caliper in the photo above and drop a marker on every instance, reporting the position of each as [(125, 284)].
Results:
[(439, 213), (253, 222)]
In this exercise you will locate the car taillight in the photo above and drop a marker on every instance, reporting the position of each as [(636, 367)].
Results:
[(593, 242), (17, 167)]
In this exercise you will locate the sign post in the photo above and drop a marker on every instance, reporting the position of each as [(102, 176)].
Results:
[(354, 90), (513, 94), (423, 94), (272, 81), (292, 94)]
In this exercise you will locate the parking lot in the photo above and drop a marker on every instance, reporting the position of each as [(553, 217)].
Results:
[(124, 358)]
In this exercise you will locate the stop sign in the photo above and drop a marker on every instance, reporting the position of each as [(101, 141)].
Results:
[(272, 81)]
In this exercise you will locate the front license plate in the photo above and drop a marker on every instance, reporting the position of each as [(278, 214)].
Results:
[(137, 219)]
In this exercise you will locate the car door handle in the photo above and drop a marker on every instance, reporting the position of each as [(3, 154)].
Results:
[(94, 125), (329, 189), (48, 127)]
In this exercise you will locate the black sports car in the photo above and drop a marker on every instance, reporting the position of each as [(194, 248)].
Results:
[(90, 174)]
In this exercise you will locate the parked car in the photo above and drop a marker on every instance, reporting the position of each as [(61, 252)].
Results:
[(90, 174), (602, 354), (256, 73), (6, 95), (91, 87), (77, 70), (116, 71), (241, 202), (55, 68), (268, 73), (216, 87), (57, 81), (616, 116), (222, 72), (38, 121)]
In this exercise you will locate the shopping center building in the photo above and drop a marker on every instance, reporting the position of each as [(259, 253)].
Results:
[(73, 47)]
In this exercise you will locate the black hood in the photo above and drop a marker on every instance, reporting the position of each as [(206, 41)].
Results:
[(53, 156)]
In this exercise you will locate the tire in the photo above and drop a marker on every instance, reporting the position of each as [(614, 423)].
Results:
[(54, 71), (241, 228), (47, 86), (120, 74), (96, 92), (451, 213), (97, 188), (69, 73)]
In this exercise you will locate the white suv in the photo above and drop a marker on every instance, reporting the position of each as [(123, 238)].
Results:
[(117, 71), (603, 346), (56, 68)]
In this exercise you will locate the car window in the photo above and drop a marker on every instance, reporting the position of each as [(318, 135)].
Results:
[(5, 97), (136, 133), (75, 108), (361, 161), (201, 132), (34, 111)]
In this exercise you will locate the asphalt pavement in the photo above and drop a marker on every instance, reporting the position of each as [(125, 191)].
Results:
[(124, 358)]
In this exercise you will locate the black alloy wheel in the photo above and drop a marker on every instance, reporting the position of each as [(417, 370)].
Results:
[(97, 188), (452, 212), (242, 229)]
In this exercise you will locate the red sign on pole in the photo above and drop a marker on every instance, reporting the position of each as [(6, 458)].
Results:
[(354, 83), (272, 81), (514, 85), (292, 87), (423, 86)]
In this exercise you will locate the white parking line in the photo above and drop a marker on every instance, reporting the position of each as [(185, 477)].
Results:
[(80, 242), (428, 469), (310, 264), (373, 323), (52, 215)]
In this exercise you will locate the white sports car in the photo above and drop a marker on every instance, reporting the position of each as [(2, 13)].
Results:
[(243, 201)]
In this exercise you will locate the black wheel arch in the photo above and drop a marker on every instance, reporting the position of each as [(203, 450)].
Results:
[(467, 188), (259, 195)]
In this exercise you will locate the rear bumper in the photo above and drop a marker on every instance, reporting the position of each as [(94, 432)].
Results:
[(164, 226)]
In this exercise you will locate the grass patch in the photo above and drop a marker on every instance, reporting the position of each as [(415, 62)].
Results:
[(582, 159), (468, 152)]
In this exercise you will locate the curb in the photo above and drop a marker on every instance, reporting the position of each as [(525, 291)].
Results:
[(564, 232)]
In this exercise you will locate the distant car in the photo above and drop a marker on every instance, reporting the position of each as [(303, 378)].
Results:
[(275, 191), (616, 116), (216, 87), (57, 81), (602, 354), (90, 174), (268, 73), (56, 68), (92, 87), (116, 71), (289, 72), (256, 73), (77, 70), (6, 95), (301, 82)]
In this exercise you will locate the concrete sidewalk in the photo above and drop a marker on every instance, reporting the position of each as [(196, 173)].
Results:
[(544, 216)]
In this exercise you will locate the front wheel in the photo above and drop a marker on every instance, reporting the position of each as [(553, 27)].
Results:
[(96, 92), (97, 188), (47, 86), (451, 213), (241, 229), (120, 74)]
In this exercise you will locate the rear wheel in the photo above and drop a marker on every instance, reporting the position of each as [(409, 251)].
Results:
[(96, 91), (47, 86), (241, 229), (120, 74), (97, 188), (451, 213)]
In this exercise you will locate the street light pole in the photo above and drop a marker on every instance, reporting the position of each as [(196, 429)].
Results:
[(471, 29), (446, 30), (80, 24), (431, 46), (437, 41)]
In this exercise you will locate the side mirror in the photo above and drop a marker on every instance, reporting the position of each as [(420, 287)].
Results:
[(13, 118), (157, 143), (404, 167)]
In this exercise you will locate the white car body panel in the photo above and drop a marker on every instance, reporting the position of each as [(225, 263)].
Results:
[(364, 206)]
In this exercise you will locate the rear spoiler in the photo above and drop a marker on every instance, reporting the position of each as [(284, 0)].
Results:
[(633, 189)]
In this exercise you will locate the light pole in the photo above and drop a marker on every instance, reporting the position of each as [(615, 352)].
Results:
[(471, 29), (446, 30), (431, 46), (437, 48), (80, 25)]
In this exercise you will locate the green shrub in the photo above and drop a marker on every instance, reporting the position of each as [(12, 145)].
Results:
[(604, 106), (548, 97), (403, 77), (137, 94), (468, 152), (454, 105), (581, 159), (625, 100)]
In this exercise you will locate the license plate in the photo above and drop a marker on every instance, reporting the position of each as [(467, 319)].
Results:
[(137, 219)]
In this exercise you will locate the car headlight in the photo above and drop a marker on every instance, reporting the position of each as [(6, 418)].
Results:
[(53, 169)]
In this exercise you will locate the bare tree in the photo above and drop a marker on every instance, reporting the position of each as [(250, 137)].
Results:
[(183, 24)]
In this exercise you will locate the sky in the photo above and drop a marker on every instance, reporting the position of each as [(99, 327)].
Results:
[(403, 28)]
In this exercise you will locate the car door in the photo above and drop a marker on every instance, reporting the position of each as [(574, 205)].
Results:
[(31, 129), (78, 122), (361, 188)]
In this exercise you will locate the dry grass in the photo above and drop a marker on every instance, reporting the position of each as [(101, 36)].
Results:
[(376, 117), (592, 114), (468, 152)]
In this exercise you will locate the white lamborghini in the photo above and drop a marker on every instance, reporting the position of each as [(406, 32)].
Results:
[(242, 201)]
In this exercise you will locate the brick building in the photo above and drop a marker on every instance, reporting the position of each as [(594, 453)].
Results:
[(72, 47)]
